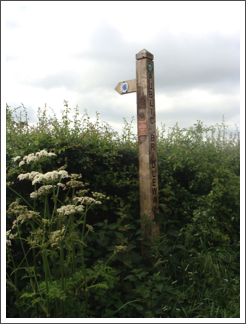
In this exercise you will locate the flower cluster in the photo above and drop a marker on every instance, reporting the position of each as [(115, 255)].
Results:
[(60, 184), (50, 176), (44, 190), (44, 153), (36, 237), (8, 242), (124, 228), (15, 208), (16, 158), (37, 177), (22, 212), (76, 176), (90, 228), (74, 184), (10, 237), (31, 157), (87, 200), (70, 209), (82, 192), (9, 183), (55, 236), (121, 249), (98, 195), (46, 221), (123, 216), (22, 217), (28, 176)]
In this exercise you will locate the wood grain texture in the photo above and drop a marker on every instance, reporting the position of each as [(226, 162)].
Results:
[(147, 150)]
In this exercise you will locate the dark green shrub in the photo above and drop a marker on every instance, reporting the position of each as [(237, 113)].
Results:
[(194, 270)]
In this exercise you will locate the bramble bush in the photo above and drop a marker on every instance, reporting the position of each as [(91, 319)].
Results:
[(87, 262)]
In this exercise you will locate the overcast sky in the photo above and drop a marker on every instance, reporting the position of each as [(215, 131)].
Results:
[(79, 51)]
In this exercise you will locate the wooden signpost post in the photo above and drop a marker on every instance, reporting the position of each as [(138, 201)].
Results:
[(147, 152)]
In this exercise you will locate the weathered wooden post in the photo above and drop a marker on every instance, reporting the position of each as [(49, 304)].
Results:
[(147, 151)]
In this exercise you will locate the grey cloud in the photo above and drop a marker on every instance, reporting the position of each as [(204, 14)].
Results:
[(12, 57), (209, 62), (109, 108), (187, 114), (22, 8), (106, 45), (12, 24), (182, 62), (67, 79), (100, 77)]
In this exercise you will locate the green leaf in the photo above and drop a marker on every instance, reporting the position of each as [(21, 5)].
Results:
[(168, 289), (108, 312), (159, 286), (131, 246), (143, 273), (27, 295), (130, 277), (113, 226), (179, 246), (99, 224), (138, 307), (109, 302), (119, 235), (173, 232), (103, 241), (128, 262), (148, 314), (139, 231), (132, 226), (118, 303)]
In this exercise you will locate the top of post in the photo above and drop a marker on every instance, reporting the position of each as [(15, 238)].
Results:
[(144, 54)]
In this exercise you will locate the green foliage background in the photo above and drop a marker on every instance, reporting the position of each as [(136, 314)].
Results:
[(195, 265)]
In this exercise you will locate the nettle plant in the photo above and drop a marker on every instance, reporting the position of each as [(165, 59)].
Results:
[(57, 270)]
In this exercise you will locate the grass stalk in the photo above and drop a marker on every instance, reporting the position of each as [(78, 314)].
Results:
[(84, 275), (16, 290), (62, 278), (45, 263), (21, 197), (35, 283)]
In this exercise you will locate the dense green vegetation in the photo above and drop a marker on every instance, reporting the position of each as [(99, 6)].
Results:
[(87, 262)]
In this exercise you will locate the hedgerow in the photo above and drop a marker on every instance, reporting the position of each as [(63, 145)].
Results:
[(193, 271)]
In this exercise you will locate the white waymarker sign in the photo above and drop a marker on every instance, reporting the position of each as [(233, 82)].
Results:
[(126, 86), (147, 151)]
